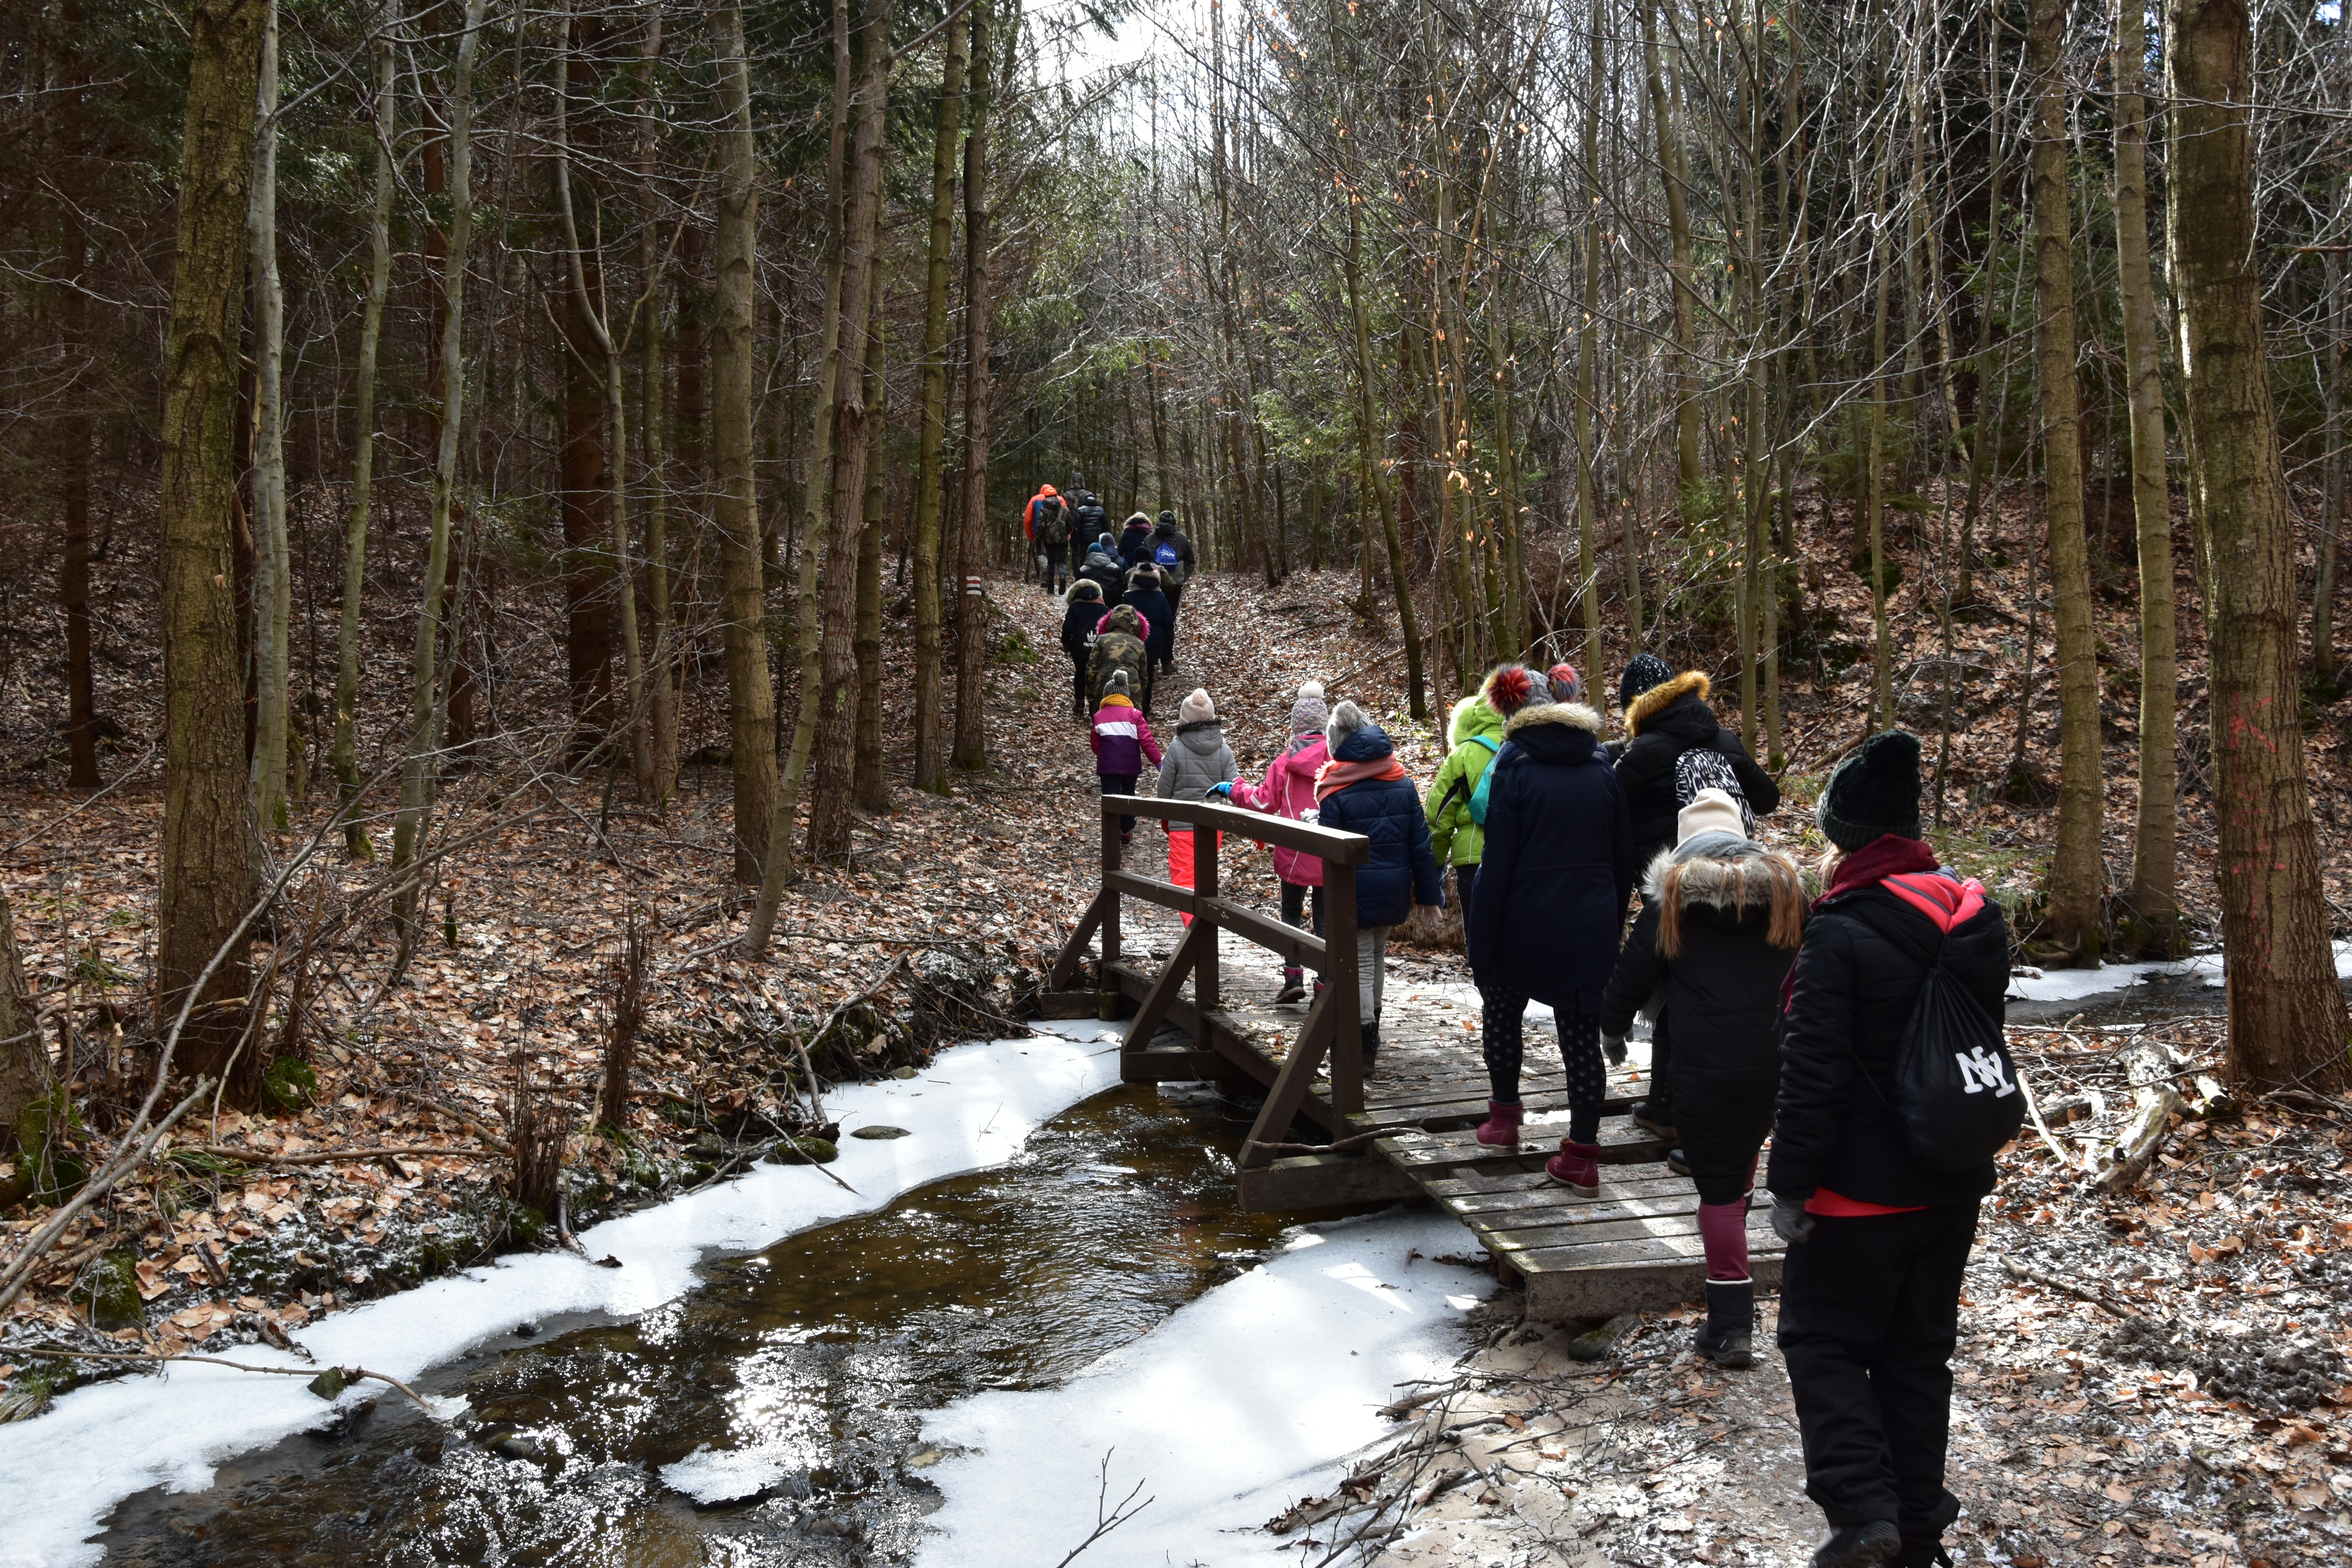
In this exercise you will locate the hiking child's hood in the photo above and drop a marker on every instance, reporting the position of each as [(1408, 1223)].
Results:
[(1652, 709), (1202, 735), (1473, 715), (1368, 744)]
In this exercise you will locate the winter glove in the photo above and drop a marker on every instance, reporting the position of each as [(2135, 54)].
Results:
[(1218, 791), (1613, 1047), (1790, 1220)]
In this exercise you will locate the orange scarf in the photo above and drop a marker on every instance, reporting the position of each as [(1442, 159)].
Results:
[(1334, 776)]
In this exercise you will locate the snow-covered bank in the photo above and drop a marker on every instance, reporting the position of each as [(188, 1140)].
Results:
[(974, 1106), (1246, 1400), (2075, 984)]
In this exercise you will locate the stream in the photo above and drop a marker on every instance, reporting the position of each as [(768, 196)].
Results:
[(774, 1414)]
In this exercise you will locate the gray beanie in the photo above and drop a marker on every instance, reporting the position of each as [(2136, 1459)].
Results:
[(1346, 720)]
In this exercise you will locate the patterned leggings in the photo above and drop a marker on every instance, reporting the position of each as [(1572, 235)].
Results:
[(1579, 1050)]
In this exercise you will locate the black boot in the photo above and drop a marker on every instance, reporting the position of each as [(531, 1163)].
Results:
[(1859, 1546), (1653, 1117), (1727, 1338), (1921, 1554), (1371, 1033)]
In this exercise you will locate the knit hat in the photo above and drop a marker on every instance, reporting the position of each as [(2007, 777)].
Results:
[(1166, 528), (1567, 686), (1647, 671), (1168, 517), (1710, 811), (1873, 792), (1083, 589), (1346, 720), (1196, 707), (1509, 689), (1307, 713), (1116, 685)]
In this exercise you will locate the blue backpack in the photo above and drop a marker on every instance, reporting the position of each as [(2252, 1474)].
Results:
[(1485, 780)]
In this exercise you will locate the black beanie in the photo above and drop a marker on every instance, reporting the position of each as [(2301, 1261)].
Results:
[(1873, 792), (1168, 517), (1647, 671)]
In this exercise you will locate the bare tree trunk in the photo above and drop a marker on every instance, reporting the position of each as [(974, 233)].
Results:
[(1673, 172), (930, 759), (350, 631), (2155, 876), (661, 668), (425, 709), (1588, 371), (273, 563), (2077, 871), (2286, 1010), (73, 576), (207, 863), (971, 609), (870, 782), (833, 796), (1873, 480), (1375, 472), (742, 623)]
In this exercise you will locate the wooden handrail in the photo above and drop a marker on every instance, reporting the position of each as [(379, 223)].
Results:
[(1324, 843)]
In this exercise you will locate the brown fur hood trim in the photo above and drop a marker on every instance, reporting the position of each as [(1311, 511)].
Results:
[(1573, 715), (1736, 876), (1655, 701)]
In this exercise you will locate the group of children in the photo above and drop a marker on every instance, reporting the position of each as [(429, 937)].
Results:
[(1773, 1013)]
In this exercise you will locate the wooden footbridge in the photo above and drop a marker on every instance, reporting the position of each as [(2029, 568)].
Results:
[(1328, 1135)]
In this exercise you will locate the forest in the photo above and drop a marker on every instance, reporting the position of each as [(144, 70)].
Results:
[(462, 456)]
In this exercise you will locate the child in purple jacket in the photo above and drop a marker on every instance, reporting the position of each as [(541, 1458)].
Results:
[(1122, 740)]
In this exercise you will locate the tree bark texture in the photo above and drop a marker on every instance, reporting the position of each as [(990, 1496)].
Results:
[(930, 754), (2286, 1010), (207, 866), (2077, 872), (972, 607)]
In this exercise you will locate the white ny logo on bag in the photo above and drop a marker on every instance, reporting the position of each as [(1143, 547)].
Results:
[(1981, 1069)]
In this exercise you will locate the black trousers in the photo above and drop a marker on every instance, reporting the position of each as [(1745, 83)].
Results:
[(1175, 592), (1870, 1309), (1056, 569), (1078, 683), (1295, 896), (1120, 783), (1465, 882)]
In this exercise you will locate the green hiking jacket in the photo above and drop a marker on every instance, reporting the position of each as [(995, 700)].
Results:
[(1454, 839)]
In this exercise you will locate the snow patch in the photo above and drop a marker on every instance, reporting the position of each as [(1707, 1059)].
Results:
[(1257, 1393), (2075, 984), (975, 1106)]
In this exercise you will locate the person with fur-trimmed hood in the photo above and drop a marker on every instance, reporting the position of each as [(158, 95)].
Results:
[(1134, 541), (1675, 748), (1552, 888), (1120, 645), (1159, 615), (1084, 608), (1363, 789), (1721, 917), (1289, 791)]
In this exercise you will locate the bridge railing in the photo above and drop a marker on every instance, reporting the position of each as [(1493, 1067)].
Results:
[(1332, 1027)]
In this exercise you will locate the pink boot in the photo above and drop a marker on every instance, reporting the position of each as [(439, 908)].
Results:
[(1577, 1167), (1501, 1127)]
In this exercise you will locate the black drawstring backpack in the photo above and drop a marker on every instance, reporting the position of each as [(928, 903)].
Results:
[(1956, 1094)]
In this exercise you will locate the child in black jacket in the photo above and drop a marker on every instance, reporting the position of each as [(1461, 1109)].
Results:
[(1721, 916), (1877, 1237), (1086, 608)]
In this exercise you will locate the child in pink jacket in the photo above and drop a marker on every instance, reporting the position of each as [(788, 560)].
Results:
[(1289, 791)]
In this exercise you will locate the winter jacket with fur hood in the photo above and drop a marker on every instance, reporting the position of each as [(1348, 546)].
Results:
[(1400, 871), (1867, 947), (1663, 723), (1197, 758), (1078, 624), (1737, 910), (1117, 648), (1454, 839), (1159, 615), (1289, 791), (1558, 863)]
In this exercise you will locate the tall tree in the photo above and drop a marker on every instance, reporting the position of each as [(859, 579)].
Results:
[(742, 621), (971, 608), (273, 576), (207, 867), (930, 752), (830, 804), (2155, 873), (2287, 1022), (343, 752), (2077, 878)]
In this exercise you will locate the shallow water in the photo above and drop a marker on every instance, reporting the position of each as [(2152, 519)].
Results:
[(788, 1390)]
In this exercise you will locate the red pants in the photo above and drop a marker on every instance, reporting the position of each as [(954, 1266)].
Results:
[(1180, 861)]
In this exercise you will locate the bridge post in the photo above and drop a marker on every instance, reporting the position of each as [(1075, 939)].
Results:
[(1205, 888), (1110, 863), (1340, 974)]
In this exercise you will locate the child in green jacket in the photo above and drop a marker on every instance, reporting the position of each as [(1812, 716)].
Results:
[(1476, 732)]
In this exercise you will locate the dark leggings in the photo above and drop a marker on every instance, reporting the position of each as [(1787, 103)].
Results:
[(1579, 1050), (1295, 898), (1078, 683), (1120, 783)]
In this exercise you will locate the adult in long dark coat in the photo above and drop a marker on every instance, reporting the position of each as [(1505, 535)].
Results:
[(1553, 890), (1143, 593)]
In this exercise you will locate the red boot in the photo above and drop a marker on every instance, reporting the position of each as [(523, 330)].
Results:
[(1577, 1167), (1501, 1127)]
